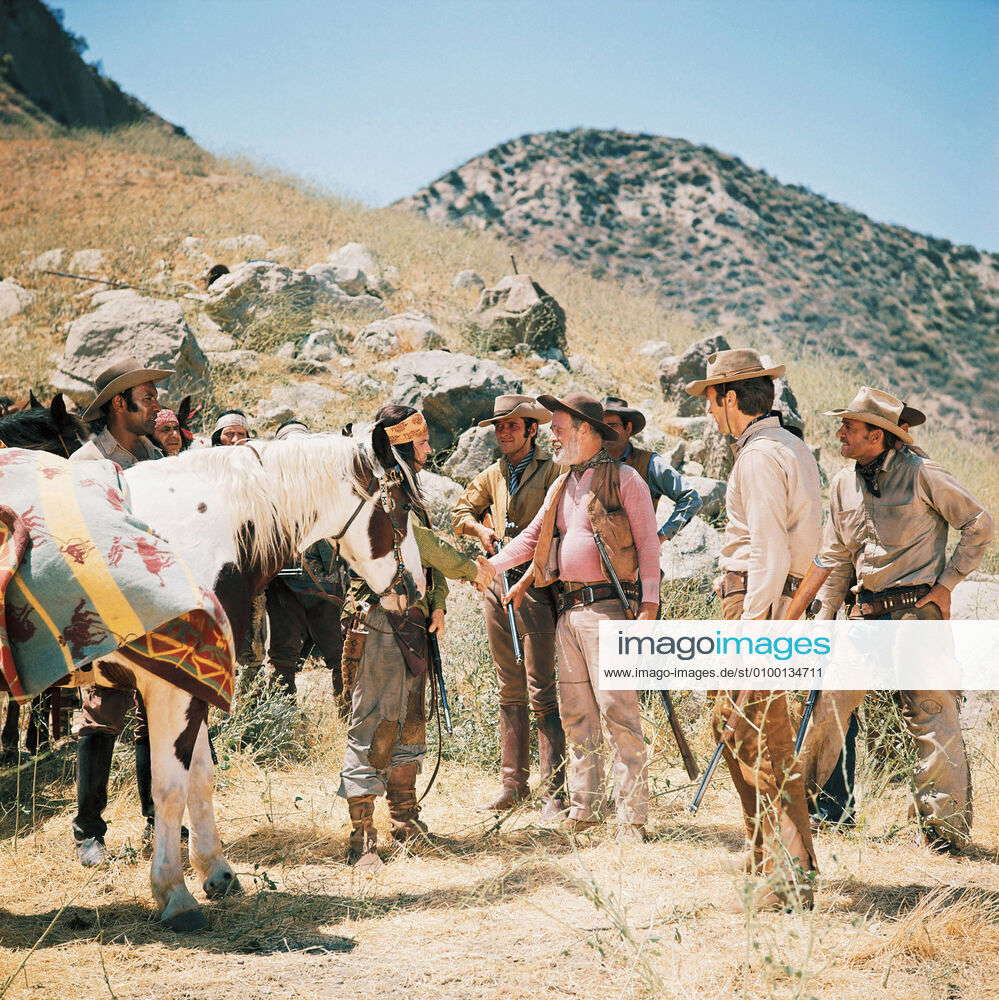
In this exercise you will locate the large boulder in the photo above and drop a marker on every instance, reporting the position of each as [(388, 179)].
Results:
[(454, 391), (338, 278), (467, 279), (256, 288), (711, 491), (679, 369), (409, 331), (380, 278), (303, 399), (321, 345), (517, 310), (441, 494), (13, 299), (693, 553), (976, 598), (87, 262), (476, 449), (50, 260), (128, 324)]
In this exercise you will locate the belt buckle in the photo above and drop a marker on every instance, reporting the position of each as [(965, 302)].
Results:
[(588, 597)]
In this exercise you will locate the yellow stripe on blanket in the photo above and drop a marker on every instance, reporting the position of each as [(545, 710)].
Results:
[(66, 524)]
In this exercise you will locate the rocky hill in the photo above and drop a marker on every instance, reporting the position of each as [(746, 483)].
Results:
[(739, 250), (45, 82)]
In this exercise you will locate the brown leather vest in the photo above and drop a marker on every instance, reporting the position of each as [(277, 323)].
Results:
[(607, 517), (639, 460)]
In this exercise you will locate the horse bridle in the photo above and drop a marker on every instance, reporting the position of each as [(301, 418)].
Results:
[(402, 583)]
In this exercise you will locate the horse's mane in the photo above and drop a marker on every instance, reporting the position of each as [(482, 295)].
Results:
[(33, 427), (279, 486)]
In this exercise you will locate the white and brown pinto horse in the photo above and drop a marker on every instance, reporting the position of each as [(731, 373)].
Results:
[(236, 516)]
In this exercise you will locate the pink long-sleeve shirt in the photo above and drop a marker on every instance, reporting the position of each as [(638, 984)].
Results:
[(578, 558)]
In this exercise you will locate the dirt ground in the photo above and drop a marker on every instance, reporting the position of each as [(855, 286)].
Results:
[(511, 909)]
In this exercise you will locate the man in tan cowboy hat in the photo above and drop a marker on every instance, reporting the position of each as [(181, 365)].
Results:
[(889, 515), (126, 401), (496, 506), (662, 479), (774, 516), (595, 495)]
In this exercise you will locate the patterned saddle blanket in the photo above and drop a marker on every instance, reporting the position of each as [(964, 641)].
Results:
[(81, 576)]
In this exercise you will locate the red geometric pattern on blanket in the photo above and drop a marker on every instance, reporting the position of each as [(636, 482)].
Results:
[(13, 542), (191, 650)]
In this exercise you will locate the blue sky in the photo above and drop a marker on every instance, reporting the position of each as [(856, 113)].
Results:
[(890, 108)]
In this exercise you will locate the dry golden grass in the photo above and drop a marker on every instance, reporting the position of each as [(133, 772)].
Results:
[(510, 910), (499, 910)]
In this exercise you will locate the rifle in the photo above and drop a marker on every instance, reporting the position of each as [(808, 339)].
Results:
[(674, 723), (806, 715), (438, 669), (716, 756), (511, 616)]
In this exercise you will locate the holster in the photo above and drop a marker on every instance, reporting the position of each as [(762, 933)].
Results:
[(410, 631), (355, 636)]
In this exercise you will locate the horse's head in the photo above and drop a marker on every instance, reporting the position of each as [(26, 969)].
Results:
[(53, 428), (368, 520)]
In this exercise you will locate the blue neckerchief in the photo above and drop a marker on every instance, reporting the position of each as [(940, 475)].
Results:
[(517, 470)]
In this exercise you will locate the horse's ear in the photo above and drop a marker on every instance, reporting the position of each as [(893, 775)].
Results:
[(33, 403), (58, 410), (184, 411), (348, 430)]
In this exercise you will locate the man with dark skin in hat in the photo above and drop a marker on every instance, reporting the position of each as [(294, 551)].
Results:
[(508, 494), (889, 518), (662, 479), (127, 404), (595, 496)]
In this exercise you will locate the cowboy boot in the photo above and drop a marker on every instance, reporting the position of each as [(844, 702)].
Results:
[(551, 757), (404, 808), (93, 771), (514, 758), (361, 848)]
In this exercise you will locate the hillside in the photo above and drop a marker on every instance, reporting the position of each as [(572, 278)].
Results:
[(45, 82), (499, 908), (734, 248)]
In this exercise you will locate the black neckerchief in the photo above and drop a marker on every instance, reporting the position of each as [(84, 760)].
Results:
[(598, 459), (869, 473)]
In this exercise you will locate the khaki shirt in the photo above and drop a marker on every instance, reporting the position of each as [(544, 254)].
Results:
[(105, 445), (774, 509), (489, 492), (900, 538)]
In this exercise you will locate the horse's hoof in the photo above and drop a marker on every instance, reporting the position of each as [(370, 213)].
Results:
[(222, 885), (91, 852), (189, 920)]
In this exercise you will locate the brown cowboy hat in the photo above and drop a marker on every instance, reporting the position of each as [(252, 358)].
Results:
[(733, 366), (614, 404), (879, 408), (505, 407), (912, 416), (122, 375), (582, 406)]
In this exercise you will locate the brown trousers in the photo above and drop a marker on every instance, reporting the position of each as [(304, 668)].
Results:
[(758, 747), (942, 778), (532, 682)]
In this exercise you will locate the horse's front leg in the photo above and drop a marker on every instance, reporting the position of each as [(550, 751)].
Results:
[(219, 879), (174, 720)]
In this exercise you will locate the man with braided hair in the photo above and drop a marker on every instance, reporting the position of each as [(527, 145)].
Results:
[(386, 739)]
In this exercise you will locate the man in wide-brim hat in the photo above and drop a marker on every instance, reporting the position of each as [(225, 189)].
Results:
[(496, 506), (889, 516), (661, 478), (773, 508), (127, 403), (595, 496)]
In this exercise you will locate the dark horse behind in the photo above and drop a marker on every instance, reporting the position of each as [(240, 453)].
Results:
[(53, 429)]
